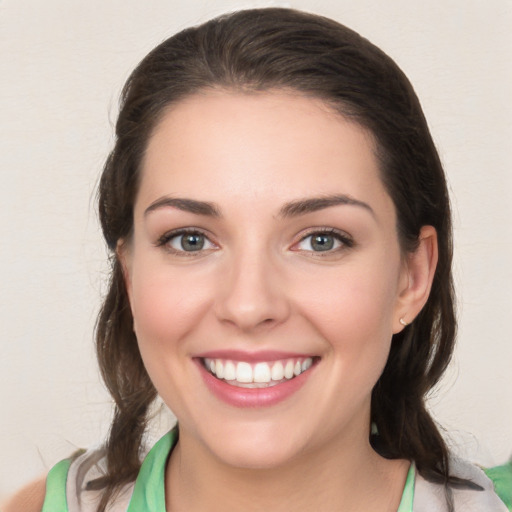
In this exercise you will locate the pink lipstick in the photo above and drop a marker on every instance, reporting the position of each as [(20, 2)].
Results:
[(260, 379)]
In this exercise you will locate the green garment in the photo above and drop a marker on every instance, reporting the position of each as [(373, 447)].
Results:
[(149, 491), (502, 479)]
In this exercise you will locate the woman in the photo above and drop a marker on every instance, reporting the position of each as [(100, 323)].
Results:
[(281, 234)]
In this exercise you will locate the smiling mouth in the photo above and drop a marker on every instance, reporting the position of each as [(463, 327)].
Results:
[(257, 375)]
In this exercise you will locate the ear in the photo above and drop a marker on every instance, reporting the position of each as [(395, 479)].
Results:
[(416, 279)]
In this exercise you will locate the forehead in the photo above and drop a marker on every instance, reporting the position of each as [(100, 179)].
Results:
[(220, 144)]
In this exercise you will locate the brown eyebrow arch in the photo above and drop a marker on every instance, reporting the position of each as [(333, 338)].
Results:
[(186, 205), (313, 204), (291, 209)]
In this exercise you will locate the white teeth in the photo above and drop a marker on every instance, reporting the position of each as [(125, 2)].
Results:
[(306, 364), (229, 371), (243, 372), (288, 370), (277, 371), (219, 369), (261, 374)]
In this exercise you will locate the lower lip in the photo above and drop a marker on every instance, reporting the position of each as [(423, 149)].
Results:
[(253, 397)]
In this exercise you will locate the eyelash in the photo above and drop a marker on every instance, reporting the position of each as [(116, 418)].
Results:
[(345, 241), (166, 238)]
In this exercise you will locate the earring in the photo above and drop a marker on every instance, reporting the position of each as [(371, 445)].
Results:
[(403, 322)]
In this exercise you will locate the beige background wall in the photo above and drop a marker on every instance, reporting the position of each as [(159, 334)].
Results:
[(62, 64)]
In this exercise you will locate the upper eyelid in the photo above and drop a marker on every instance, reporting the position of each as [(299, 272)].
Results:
[(345, 238), (341, 234), (324, 230), (168, 235)]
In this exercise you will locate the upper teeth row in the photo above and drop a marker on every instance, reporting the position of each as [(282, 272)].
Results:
[(242, 371)]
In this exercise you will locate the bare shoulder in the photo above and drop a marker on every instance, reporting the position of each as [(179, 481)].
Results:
[(28, 499)]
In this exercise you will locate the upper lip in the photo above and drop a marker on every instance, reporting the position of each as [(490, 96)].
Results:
[(256, 356)]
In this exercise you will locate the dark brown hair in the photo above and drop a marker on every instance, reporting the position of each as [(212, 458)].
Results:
[(261, 50)]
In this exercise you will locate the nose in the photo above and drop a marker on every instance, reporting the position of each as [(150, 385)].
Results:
[(252, 295)]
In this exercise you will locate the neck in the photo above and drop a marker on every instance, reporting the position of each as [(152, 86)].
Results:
[(348, 476)]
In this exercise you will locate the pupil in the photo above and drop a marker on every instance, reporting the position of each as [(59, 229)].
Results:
[(192, 242), (322, 242)]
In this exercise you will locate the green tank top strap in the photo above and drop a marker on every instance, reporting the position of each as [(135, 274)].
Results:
[(55, 497), (149, 491), (501, 477), (407, 501)]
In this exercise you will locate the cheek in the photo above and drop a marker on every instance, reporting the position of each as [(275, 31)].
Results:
[(166, 306), (356, 321), (353, 312), (356, 301)]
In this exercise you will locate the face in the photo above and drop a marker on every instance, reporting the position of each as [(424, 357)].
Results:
[(265, 275)]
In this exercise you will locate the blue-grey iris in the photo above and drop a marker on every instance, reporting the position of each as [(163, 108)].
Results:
[(322, 242), (192, 242)]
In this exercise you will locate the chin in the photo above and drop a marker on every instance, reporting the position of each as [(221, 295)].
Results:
[(256, 446), (257, 457)]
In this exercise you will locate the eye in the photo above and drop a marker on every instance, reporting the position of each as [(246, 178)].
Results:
[(324, 241), (186, 241)]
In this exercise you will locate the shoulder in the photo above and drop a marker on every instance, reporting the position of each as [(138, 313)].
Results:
[(429, 496), (66, 487), (28, 499)]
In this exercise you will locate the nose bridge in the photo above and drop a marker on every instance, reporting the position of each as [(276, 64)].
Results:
[(251, 293)]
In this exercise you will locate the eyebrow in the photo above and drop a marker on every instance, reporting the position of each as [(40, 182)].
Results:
[(313, 204), (291, 209), (186, 205)]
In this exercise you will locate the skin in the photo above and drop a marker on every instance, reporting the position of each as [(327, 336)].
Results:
[(258, 285), (28, 499)]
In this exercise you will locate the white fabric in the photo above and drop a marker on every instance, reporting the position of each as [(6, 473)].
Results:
[(89, 466), (429, 497)]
